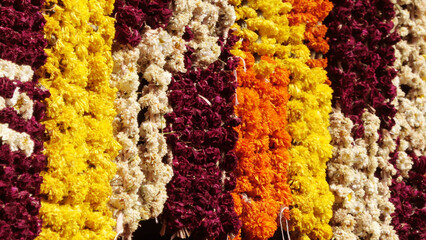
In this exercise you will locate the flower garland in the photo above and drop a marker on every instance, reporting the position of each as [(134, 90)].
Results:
[(79, 117), (361, 55), (262, 187), (308, 111), (204, 79), (200, 133), (139, 190), (158, 46), (408, 184), (126, 183), (21, 159)]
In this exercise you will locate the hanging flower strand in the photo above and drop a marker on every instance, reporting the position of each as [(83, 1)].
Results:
[(80, 111)]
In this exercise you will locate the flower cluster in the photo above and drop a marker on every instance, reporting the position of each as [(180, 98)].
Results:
[(262, 188), (157, 50), (360, 59), (409, 196), (21, 110), (133, 16), (21, 37), (263, 159), (362, 208), (201, 136), (79, 116), (204, 22), (407, 187), (268, 34), (199, 29), (312, 13), (21, 145)]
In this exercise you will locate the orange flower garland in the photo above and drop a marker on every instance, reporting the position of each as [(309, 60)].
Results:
[(262, 187)]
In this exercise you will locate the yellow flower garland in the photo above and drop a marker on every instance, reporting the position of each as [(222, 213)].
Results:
[(78, 121), (308, 122), (264, 25)]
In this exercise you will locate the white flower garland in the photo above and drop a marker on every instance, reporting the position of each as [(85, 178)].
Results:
[(362, 208), (128, 179), (156, 47)]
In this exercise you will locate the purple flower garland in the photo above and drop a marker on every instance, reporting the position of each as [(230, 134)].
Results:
[(21, 42), (201, 135), (133, 15), (360, 59)]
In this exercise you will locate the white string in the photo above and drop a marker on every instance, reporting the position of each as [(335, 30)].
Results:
[(120, 228), (205, 99), (236, 79), (244, 64), (286, 223)]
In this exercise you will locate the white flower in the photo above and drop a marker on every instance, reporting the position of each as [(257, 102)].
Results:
[(411, 65), (157, 75), (16, 140), (2, 103), (13, 71), (23, 105)]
